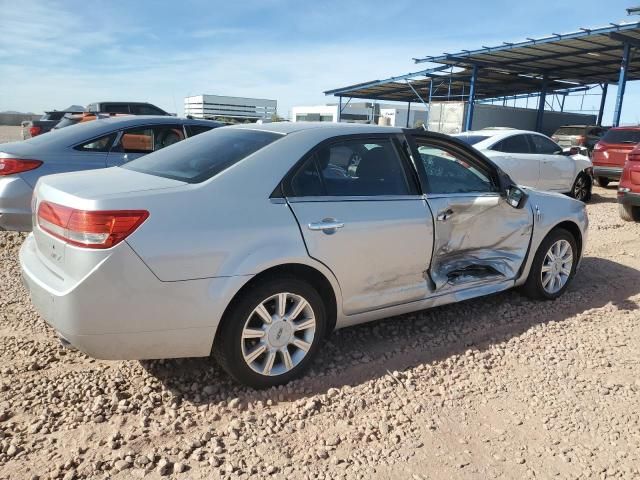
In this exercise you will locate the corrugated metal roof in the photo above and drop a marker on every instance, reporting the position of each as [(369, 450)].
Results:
[(585, 57)]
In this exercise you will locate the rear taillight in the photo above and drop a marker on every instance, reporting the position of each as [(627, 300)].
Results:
[(10, 166), (554, 138), (598, 146), (90, 229), (581, 139), (35, 131)]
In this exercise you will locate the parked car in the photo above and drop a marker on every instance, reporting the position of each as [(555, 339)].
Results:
[(629, 187), (535, 160), (75, 118), (99, 144), (244, 243), (579, 136), (48, 121), (131, 108), (610, 153)]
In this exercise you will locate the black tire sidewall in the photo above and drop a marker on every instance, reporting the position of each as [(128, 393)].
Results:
[(602, 182), (587, 196), (534, 282), (227, 347)]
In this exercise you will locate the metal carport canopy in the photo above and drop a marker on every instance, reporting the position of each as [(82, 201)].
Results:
[(555, 64)]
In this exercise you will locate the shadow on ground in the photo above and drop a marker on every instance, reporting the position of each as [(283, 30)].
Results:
[(357, 354)]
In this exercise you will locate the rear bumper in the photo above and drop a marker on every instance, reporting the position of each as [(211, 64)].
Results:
[(612, 173), (121, 311), (15, 204), (629, 198)]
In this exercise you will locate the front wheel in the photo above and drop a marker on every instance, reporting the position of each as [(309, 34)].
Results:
[(582, 188), (553, 266), (271, 332)]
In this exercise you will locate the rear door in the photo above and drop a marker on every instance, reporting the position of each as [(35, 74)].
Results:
[(514, 155), (557, 171), (135, 142), (479, 238), (361, 213)]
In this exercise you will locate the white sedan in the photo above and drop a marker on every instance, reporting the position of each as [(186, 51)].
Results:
[(535, 160)]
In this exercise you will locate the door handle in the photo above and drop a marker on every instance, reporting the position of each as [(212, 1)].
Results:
[(444, 215), (328, 225)]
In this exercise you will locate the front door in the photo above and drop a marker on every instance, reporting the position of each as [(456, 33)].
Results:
[(479, 238), (361, 214)]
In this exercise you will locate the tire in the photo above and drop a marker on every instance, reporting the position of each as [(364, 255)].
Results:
[(581, 189), (602, 182), (534, 287), (261, 361), (629, 213)]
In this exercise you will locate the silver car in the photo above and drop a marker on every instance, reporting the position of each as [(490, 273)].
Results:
[(97, 144), (253, 243)]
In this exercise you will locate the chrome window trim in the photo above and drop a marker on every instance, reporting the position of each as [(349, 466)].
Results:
[(368, 198), (462, 194)]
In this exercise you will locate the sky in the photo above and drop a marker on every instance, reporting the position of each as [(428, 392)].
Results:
[(54, 54)]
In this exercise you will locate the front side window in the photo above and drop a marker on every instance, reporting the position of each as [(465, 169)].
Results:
[(149, 139), (544, 146), (358, 167), (203, 156), (513, 144), (448, 172), (102, 144)]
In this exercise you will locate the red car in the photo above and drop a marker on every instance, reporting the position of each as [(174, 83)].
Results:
[(629, 187), (610, 153)]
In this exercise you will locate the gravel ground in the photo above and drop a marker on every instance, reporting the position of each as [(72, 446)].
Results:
[(500, 387)]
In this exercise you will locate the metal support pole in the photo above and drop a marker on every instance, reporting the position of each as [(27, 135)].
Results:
[(603, 100), (472, 98), (339, 108), (408, 113), (541, 104), (622, 83), (564, 97)]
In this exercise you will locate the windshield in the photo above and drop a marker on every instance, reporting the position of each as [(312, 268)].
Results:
[(622, 136), (199, 158), (573, 131), (472, 139)]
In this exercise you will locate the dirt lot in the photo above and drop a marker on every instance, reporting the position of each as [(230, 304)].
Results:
[(500, 387), (10, 133)]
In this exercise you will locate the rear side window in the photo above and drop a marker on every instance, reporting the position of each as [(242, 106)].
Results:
[(513, 144), (202, 157), (622, 136), (146, 110), (115, 108), (360, 168), (193, 130), (472, 139), (149, 139), (544, 145), (102, 144)]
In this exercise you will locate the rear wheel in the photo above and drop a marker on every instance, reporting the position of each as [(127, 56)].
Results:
[(582, 188), (629, 213), (553, 266), (602, 182), (271, 333)]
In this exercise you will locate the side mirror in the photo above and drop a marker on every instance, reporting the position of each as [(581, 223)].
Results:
[(574, 151), (516, 197)]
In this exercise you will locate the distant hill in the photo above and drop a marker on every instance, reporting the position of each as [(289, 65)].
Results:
[(13, 112)]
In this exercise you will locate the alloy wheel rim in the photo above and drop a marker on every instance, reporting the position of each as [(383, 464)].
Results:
[(580, 190), (278, 334), (556, 267)]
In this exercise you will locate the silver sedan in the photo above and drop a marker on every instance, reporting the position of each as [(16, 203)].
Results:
[(253, 243), (97, 144)]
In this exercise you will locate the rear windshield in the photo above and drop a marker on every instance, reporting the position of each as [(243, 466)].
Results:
[(570, 131), (472, 139), (67, 122), (622, 136), (199, 158)]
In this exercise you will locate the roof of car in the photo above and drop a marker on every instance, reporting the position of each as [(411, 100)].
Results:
[(290, 127), (494, 132), (626, 127)]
